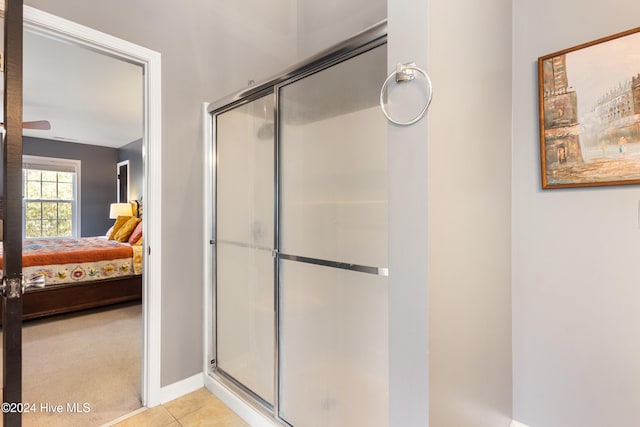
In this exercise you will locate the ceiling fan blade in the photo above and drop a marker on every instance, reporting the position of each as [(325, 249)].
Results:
[(34, 124), (37, 124)]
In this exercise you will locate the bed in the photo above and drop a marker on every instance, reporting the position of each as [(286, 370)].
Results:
[(80, 273)]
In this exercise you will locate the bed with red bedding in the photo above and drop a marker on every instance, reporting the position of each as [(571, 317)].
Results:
[(80, 273)]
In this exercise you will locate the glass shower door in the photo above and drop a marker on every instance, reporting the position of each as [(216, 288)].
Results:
[(245, 318), (333, 350)]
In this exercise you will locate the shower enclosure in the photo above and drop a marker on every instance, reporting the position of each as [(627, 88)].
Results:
[(299, 240)]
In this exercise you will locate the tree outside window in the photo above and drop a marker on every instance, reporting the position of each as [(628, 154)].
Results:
[(50, 200)]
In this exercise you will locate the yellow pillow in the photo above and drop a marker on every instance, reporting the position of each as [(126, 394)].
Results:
[(122, 235), (120, 221)]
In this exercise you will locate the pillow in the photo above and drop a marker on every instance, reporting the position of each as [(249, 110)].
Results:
[(136, 234), (120, 221), (139, 242), (122, 235)]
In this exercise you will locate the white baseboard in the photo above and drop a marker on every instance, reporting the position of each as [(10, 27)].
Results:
[(514, 423), (250, 415), (175, 390)]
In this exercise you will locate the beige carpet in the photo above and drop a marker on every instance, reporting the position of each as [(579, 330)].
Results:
[(90, 363)]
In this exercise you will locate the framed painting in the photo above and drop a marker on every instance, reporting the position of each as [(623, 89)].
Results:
[(589, 108)]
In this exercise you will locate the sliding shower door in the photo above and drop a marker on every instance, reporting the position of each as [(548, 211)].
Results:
[(245, 320), (300, 232), (333, 349)]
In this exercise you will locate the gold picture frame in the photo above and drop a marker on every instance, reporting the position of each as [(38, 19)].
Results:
[(589, 110)]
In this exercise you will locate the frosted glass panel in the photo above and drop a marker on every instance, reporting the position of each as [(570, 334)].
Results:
[(245, 320), (244, 232), (334, 164), (334, 349), (244, 207)]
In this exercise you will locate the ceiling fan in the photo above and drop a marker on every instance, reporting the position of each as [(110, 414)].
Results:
[(34, 124)]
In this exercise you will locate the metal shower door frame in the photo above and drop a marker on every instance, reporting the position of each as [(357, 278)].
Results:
[(365, 41)]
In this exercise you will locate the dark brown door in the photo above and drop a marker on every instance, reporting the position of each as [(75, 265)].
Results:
[(12, 216)]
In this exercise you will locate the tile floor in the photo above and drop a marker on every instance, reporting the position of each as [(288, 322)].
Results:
[(200, 408)]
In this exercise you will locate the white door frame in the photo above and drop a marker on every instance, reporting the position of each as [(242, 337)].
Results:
[(150, 61)]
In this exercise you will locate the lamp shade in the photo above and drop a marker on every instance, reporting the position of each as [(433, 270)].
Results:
[(120, 209)]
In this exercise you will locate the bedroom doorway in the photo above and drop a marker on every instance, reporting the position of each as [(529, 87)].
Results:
[(54, 28)]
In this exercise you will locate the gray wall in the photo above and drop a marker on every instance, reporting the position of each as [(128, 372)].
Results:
[(97, 175), (209, 49), (469, 198), (321, 24), (576, 299)]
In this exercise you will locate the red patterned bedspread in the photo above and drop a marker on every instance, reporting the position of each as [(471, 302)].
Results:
[(71, 259)]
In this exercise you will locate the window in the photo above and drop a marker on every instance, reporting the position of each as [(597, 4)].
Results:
[(51, 197)]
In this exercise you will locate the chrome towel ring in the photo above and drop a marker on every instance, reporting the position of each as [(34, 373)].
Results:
[(406, 73)]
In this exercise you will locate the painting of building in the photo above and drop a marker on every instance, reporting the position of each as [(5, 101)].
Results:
[(562, 130)]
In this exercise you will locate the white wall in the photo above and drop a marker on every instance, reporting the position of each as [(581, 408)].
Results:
[(470, 213), (576, 293)]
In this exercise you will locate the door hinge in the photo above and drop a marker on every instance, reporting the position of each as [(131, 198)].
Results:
[(12, 286)]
